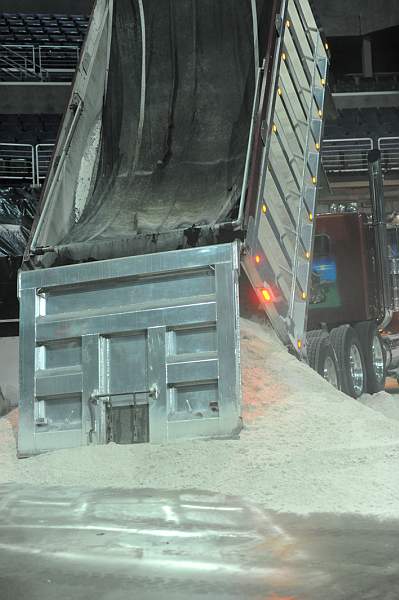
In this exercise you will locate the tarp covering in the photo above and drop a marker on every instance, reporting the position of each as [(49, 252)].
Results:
[(173, 134), (17, 209)]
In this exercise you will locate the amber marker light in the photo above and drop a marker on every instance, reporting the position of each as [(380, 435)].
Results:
[(266, 295)]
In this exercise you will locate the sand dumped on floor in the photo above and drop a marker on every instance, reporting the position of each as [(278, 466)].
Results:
[(386, 404), (305, 446)]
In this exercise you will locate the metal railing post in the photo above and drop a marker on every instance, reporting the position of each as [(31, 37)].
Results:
[(40, 60), (33, 166)]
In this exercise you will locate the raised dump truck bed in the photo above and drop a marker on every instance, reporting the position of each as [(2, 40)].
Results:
[(190, 145)]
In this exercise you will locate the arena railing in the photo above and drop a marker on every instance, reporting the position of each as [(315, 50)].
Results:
[(18, 61), (58, 59), (29, 162), (17, 162), (389, 147), (25, 61), (43, 156), (346, 155)]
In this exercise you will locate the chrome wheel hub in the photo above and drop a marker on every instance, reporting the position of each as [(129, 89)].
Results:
[(378, 358), (330, 372), (356, 369)]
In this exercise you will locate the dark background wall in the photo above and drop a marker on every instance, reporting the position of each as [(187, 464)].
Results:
[(33, 98), (356, 17)]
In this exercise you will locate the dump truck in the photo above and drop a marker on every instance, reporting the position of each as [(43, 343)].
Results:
[(187, 160), (353, 334)]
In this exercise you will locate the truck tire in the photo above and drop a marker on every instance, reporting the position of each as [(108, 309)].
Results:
[(351, 362), (374, 355), (313, 341), (322, 357), (328, 366)]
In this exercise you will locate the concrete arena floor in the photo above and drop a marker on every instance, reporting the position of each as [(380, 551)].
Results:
[(68, 543)]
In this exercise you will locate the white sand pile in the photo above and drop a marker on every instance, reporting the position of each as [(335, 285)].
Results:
[(305, 448), (387, 404)]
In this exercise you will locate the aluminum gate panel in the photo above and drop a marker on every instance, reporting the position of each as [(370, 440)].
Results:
[(130, 350)]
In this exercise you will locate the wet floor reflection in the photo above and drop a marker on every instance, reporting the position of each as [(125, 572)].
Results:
[(64, 543)]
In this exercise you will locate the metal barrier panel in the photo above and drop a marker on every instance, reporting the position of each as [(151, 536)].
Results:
[(59, 59), (346, 155), (280, 236), (155, 335), (389, 147), (43, 155), (17, 161)]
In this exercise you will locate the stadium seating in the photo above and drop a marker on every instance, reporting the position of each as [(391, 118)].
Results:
[(40, 46), (361, 123), (29, 129), (42, 29), (380, 82)]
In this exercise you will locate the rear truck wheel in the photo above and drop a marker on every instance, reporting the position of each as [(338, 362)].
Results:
[(322, 357), (351, 362), (328, 363), (313, 340), (374, 355)]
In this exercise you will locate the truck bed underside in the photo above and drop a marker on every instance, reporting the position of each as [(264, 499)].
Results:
[(168, 151)]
